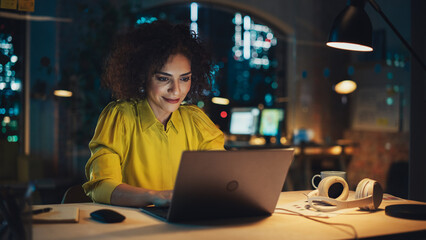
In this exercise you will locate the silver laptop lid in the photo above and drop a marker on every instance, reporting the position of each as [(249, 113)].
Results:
[(222, 184)]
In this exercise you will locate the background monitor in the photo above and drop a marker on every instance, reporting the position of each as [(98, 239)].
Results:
[(244, 121), (270, 121)]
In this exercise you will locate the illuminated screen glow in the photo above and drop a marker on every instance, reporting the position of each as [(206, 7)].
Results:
[(350, 46), (270, 122), (244, 121)]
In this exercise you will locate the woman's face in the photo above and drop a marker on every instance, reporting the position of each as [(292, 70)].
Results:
[(168, 87)]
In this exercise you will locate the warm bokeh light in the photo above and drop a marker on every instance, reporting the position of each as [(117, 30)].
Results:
[(220, 101), (345, 87), (6, 120), (335, 150), (62, 93), (350, 46), (257, 141)]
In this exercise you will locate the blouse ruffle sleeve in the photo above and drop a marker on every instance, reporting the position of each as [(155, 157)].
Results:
[(108, 149), (209, 136)]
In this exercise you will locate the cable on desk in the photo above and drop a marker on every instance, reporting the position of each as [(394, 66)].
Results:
[(320, 221)]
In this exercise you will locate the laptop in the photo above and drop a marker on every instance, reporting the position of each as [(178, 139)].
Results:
[(226, 184)]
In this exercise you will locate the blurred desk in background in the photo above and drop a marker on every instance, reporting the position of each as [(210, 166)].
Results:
[(309, 159)]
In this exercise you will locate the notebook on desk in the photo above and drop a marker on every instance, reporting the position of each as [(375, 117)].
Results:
[(225, 184)]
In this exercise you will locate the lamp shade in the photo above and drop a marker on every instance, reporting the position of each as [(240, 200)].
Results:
[(62, 93), (62, 89), (345, 87), (352, 29)]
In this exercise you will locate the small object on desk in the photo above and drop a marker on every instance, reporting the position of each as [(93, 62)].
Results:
[(42, 210), (302, 207), (409, 211), (107, 216), (56, 214)]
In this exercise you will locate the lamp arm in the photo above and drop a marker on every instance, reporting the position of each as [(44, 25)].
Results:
[(379, 10)]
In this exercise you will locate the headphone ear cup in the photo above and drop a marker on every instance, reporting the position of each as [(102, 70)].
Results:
[(360, 191), (366, 188), (329, 184)]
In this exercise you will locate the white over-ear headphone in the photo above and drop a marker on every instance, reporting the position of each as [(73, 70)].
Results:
[(332, 187), (368, 195)]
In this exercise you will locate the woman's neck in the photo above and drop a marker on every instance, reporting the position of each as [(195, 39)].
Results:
[(164, 122), (161, 116)]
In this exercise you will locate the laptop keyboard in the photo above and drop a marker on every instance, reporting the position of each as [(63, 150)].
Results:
[(156, 211)]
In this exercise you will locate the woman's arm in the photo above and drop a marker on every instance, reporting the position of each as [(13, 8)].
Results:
[(130, 196), (104, 170)]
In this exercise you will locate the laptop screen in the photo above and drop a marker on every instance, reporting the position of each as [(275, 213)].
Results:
[(226, 184)]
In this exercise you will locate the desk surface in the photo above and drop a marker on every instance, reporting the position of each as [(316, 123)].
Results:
[(279, 226)]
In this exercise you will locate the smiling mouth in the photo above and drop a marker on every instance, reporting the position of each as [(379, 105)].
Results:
[(171, 100)]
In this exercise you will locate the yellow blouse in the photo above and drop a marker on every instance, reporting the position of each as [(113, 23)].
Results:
[(131, 146)]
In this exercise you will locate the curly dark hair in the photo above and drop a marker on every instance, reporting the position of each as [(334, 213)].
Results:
[(144, 50)]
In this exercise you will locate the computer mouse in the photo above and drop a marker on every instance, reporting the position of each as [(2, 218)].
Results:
[(107, 216)]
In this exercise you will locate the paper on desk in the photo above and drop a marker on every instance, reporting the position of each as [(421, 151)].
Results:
[(58, 214), (389, 197), (302, 207)]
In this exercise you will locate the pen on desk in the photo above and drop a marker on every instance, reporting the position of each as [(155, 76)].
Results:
[(42, 210)]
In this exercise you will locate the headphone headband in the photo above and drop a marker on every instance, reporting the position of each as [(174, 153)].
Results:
[(337, 204)]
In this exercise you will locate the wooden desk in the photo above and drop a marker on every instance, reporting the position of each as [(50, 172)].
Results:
[(279, 226)]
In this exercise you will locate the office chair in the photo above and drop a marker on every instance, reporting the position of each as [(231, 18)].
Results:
[(75, 194)]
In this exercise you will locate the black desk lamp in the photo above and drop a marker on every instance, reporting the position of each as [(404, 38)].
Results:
[(352, 30)]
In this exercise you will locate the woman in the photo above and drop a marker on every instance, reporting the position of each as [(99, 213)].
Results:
[(139, 138)]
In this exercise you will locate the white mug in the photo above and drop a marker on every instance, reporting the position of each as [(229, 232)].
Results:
[(325, 174)]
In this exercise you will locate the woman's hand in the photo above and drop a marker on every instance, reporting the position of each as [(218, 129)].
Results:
[(130, 196), (161, 198)]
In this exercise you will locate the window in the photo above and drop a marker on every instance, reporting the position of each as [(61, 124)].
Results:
[(250, 57)]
